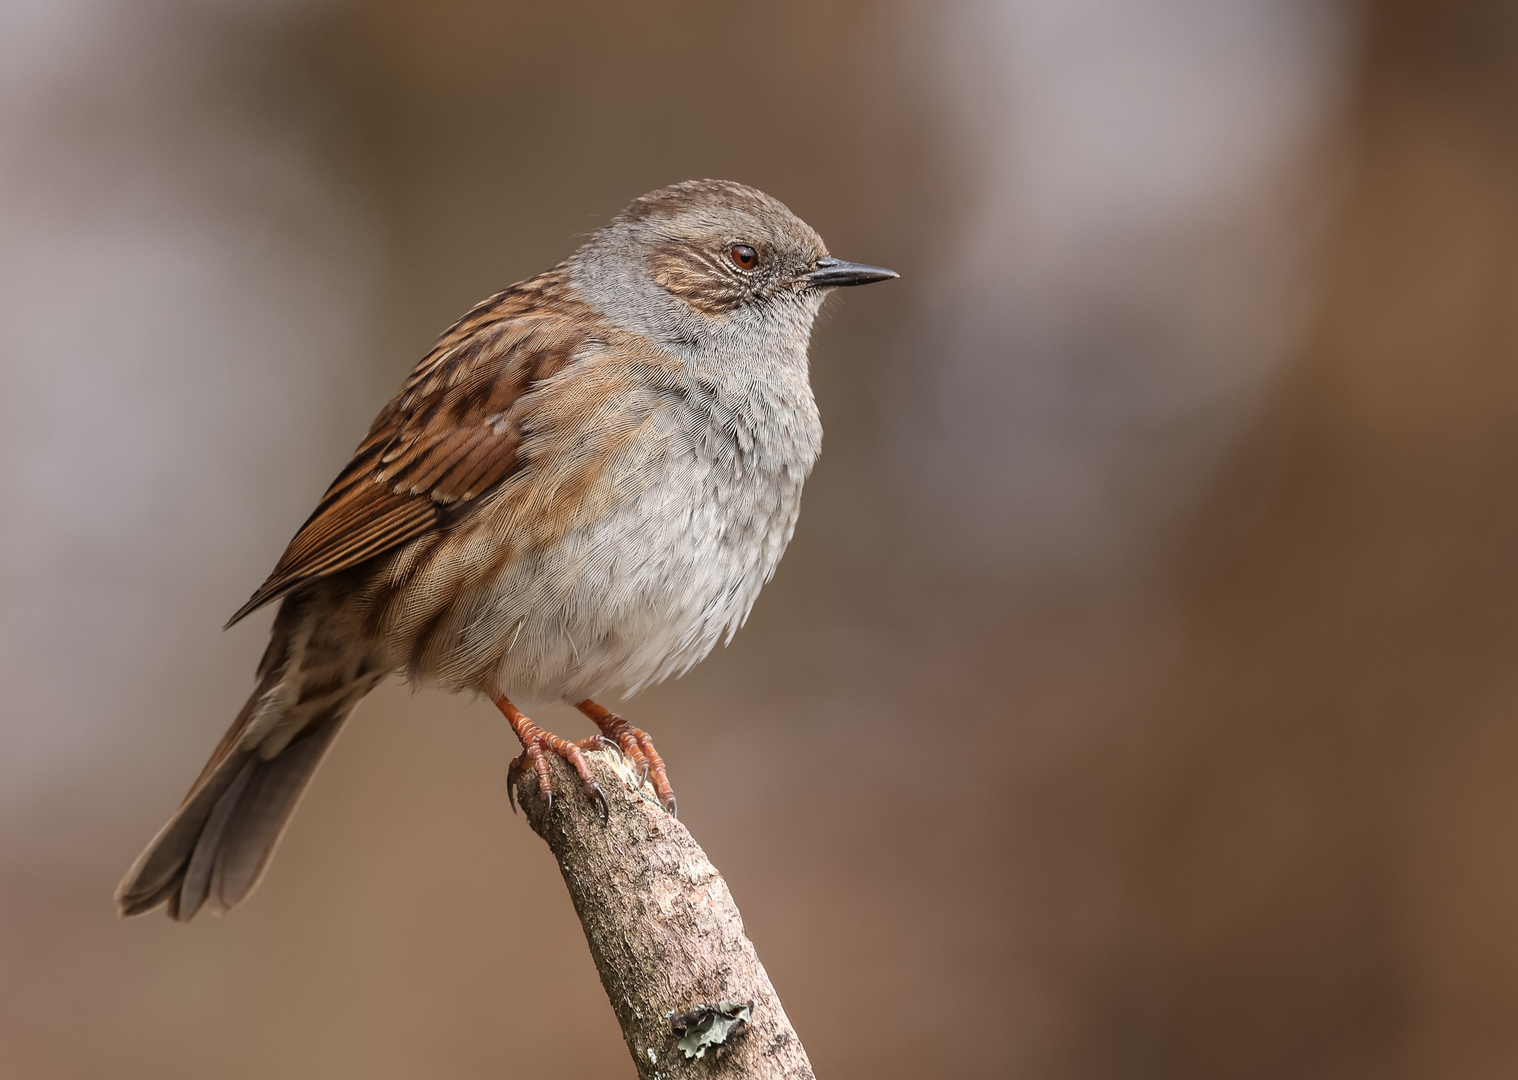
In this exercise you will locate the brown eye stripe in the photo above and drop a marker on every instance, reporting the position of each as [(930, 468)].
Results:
[(700, 276)]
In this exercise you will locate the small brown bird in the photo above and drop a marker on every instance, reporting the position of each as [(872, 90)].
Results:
[(580, 489)]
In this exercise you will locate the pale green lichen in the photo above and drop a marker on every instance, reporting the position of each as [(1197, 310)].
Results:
[(710, 1025)]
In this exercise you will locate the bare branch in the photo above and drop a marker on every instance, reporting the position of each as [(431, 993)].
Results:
[(683, 978)]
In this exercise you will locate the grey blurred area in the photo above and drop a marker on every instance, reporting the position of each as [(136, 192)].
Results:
[(1136, 698)]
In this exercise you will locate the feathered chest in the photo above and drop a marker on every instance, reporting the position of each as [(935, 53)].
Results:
[(624, 549), (699, 512), (762, 432), (710, 489)]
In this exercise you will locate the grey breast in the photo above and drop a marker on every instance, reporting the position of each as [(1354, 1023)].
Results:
[(678, 567)]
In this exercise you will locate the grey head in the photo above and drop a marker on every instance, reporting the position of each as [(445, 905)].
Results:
[(713, 263)]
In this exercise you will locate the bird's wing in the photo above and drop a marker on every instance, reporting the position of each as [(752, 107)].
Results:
[(452, 434)]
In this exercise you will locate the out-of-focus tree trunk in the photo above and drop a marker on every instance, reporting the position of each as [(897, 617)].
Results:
[(1335, 875)]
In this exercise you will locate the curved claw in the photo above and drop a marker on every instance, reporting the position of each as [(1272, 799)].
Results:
[(513, 774), (593, 790), (673, 806)]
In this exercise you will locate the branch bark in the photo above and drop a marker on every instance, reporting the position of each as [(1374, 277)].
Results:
[(682, 976)]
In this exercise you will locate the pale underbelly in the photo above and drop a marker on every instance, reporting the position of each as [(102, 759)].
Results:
[(628, 601)]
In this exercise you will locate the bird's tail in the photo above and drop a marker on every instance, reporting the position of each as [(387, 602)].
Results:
[(215, 848)]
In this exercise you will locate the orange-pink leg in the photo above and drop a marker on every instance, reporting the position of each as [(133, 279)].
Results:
[(537, 744), (637, 747)]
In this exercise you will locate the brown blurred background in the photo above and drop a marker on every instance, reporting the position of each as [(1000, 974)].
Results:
[(1138, 696)]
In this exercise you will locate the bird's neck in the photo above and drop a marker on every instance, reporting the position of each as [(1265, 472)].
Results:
[(750, 363)]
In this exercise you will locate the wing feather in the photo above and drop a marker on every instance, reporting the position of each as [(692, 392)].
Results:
[(451, 435)]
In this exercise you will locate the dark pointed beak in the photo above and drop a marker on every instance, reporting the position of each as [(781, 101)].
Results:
[(831, 273)]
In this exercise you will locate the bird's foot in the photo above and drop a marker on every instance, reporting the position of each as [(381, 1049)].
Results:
[(637, 747), (537, 744)]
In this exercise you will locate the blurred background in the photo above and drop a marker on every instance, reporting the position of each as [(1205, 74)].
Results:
[(1138, 696)]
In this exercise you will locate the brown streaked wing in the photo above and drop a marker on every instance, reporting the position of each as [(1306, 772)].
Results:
[(448, 437)]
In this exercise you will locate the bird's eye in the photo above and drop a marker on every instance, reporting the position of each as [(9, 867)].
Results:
[(743, 256)]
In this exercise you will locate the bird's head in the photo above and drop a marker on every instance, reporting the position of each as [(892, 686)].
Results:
[(712, 257)]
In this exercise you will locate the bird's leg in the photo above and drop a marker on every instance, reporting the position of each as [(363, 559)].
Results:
[(536, 745), (637, 747)]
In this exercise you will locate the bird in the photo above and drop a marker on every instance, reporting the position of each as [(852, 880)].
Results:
[(580, 490)]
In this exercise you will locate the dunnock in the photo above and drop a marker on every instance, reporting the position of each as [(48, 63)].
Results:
[(582, 488)]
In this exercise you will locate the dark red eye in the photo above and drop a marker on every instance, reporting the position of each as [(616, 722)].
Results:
[(743, 256)]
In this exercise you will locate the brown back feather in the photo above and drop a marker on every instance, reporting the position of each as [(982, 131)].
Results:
[(451, 435)]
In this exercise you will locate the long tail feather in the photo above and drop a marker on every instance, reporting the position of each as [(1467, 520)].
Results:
[(215, 849), (216, 846)]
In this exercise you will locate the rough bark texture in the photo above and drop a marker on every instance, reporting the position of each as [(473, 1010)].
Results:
[(664, 931)]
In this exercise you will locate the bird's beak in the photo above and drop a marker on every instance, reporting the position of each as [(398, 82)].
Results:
[(831, 273)]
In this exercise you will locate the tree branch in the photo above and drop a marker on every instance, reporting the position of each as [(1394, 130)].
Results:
[(682, 977)]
